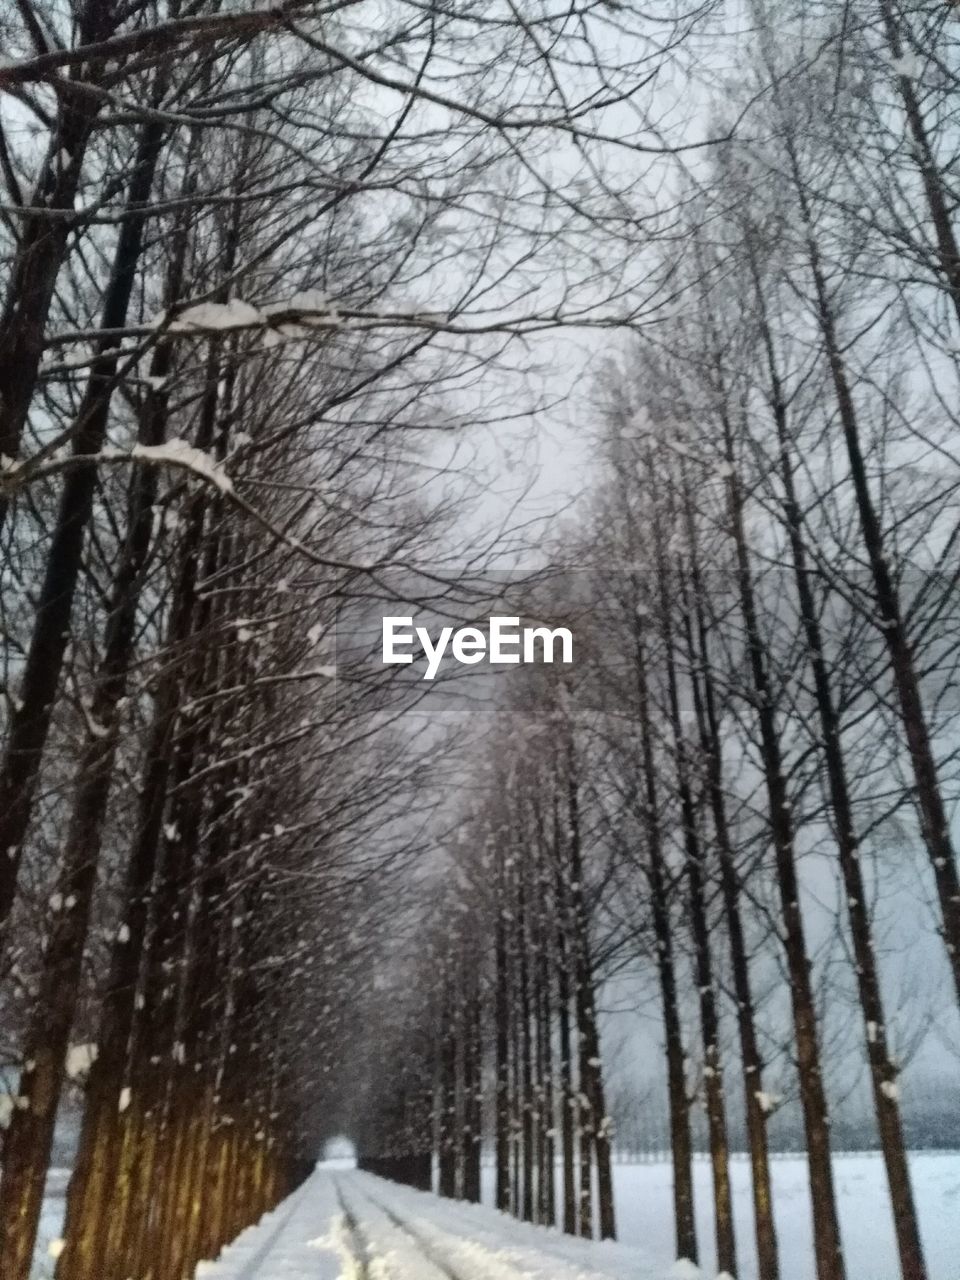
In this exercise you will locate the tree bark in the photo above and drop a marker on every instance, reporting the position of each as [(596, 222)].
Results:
[(502, 1049), (827, 1245), (883, 1072), (680, 1141), (703, 963), (30, 720), (43, 239), (934, 822), (705, 710)]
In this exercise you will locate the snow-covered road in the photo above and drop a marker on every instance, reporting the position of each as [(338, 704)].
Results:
[(345, 1225)]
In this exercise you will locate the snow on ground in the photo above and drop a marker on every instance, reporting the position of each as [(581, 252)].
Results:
[(643, 1196), (406, 1235), (644, 1206), (342, 1225), (305, 1238)]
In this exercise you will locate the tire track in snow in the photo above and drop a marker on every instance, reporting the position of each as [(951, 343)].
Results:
[(386, 1256), (353, 1246), (285, 1243), (465, 1257), (353, 1226)]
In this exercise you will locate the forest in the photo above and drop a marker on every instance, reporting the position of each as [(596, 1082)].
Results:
[(641, 321)]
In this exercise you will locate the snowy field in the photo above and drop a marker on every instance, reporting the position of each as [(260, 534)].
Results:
[(644, 1205), (339, 1215), (644, 1209)]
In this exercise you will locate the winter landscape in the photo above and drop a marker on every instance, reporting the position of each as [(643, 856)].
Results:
[(479, 640)]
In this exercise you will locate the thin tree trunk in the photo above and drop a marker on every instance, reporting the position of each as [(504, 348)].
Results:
[(595, 1133), (30, 720), (704, 700), (680, 1141), (696, 899), (548, 1191), (939, 201), (42, 243), (90, 1192), (28, 1140), (827, 1246), (934, 823), (473, 1098), (502, 1049), (447, 1096), (526, 1061), (568, 1100), (883, 1072)]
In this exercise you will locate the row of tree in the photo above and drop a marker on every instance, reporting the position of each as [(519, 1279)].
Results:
[(235, 361), (740, 794), (253, 261)]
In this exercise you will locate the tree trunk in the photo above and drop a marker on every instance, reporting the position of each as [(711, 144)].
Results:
[(30, 720), (501, 1017), (568, 1099), (680, 1142), (595, 1132), (447, 1099), (934, 823), (526, 1057), (883, 1072), (939, 201), (827, 1246), (29, 1137), (768, 1266), (473, 1096), (42, 243), (703, 965)]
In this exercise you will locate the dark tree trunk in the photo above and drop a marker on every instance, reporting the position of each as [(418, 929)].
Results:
[(43, 240), (28, 1140), (501, 1015), (680, 1141), (526, 1057), (542, 1012), (568, 1100), (472, 1088), (700, 929), (827, 1245), (95, 1167), (30, 721), (883, 1072), (704, 700), (447, 1101), (595, 1130), (938, 198), (934, 822)]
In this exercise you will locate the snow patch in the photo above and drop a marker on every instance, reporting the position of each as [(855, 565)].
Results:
[(181, 453), (217, 315), (80, 1058)]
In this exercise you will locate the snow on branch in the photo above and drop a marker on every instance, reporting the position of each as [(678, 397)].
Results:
[(290, 318), (181, 454), (202, 28), (15, 474)]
